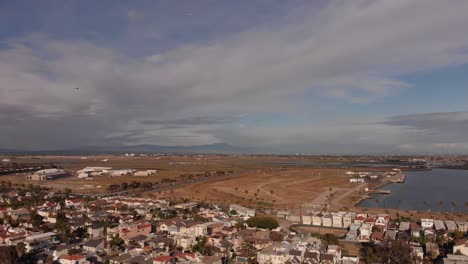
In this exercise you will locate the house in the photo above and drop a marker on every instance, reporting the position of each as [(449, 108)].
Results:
[(455, 259), (164, 260), (415, 229), (356, 180), (94, 245), (432, 249), (462, 226), (311, 257), (185, 241), (404, 226), (348, 219), (377, 236), (427, 223), (61, 250), (120, 259), (461, 246), (335, 251), (451, 226), (242, 211), (418, 253), (73, 259), (274, 254), (212, 260), (39, 241), (327, 220), (193, 228), (352, 235), (95, 230), (439, 225), (317, 219), (382, 221), (282, 214), (294, 218), (391, 234), (350, 260), (73, 202), (128, 231), (360, 218), (365, 231), (337, 219)]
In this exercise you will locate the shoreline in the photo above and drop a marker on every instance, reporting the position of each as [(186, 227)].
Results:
[(368, 194)]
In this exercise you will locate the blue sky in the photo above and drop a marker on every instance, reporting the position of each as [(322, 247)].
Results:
[(285, 76)]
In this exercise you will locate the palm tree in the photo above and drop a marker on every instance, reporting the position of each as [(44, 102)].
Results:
[(441, 204), (454, 205)]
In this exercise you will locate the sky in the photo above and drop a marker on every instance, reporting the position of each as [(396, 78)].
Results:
[(318, 77)]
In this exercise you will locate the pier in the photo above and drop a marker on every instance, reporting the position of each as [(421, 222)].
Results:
[(380, 191)]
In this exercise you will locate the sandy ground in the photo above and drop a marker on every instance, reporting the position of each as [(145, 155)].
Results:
[(269, 187)]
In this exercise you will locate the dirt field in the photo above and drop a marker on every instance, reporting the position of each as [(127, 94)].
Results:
[(269, 187)]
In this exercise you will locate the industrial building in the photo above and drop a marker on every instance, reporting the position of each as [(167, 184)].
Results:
[(46, 175)]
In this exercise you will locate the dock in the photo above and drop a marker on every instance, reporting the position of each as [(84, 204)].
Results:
[(398, 178), (380, 191)]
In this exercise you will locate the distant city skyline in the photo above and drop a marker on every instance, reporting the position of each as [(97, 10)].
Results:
[(284, 76)]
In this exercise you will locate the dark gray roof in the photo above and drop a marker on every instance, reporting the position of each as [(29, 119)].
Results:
[(93, 243), (139, 238)]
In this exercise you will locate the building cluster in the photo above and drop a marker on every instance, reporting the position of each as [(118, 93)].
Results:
[(377, 228), (87, 173), (61, 228), (118, 230), (90, 172), (362, 176)]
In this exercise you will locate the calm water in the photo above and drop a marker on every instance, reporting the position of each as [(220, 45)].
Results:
[(426, 190)]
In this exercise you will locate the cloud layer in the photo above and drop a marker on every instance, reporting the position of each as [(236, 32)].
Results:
[(195, 93)]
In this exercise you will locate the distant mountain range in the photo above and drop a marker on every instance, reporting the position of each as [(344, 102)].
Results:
[(219, 148)]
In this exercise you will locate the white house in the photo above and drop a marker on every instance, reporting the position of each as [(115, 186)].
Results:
[(73, 259), (365, 231), (327, 220), (338, 219), (185, 242), (348, 219), (317, 219), (242, 211), (427, 223), (461, 246), (439, 225)]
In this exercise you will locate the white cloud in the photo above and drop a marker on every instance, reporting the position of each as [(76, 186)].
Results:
[(351, 50)]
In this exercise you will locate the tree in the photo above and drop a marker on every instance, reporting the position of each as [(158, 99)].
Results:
[(233, 212), (200, 246), (21, 248), (330, 239), (393, 251), (441, 204), (454, 205), (116, 241), (264, 222), (35, 219), (9, 254)]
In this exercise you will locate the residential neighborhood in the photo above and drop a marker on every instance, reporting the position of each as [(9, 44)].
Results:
[(60, 227)]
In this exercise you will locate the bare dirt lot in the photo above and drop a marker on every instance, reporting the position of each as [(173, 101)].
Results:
[(283, 187)]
